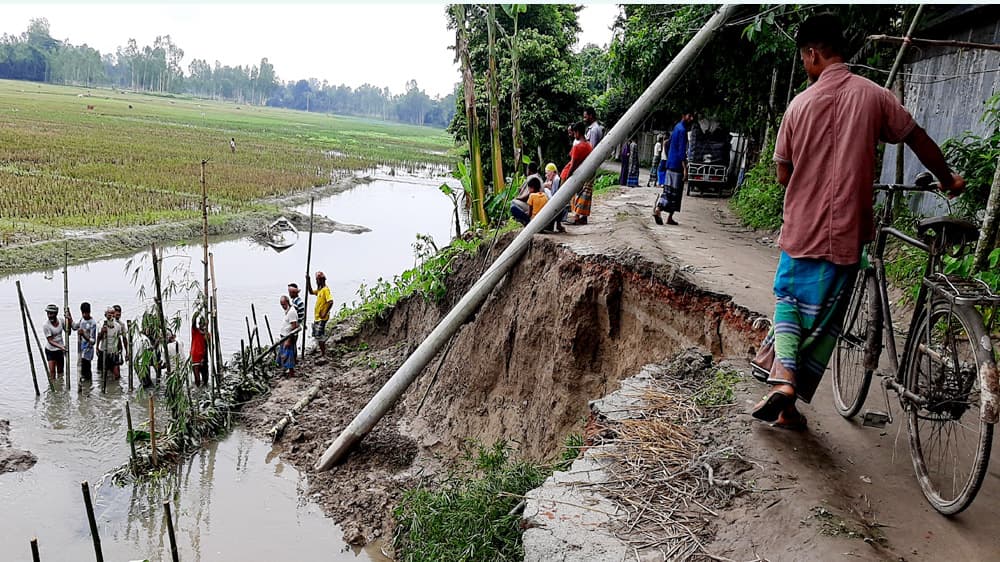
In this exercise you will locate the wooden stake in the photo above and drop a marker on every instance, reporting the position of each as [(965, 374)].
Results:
[(256, 328), (88, 504), (214, 324), (31, 325), (270, 334), (131, 437), (66, 328), (205, 255), (170, 532), (34, 550), (152, 429), (309, 251), (104, 367), (27, 340)]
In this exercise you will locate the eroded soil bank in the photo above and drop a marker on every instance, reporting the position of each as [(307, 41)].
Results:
[(561, 329), (12, 459)]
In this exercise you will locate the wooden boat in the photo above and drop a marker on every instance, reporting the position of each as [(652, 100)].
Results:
[(280, 234)]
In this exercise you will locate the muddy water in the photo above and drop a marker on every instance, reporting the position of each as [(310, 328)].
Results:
[(234, 500)]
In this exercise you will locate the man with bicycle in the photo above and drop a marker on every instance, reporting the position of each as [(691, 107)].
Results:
[(825, 156)]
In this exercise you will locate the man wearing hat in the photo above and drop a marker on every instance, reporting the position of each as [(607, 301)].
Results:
[(324, 302), (54, 346)]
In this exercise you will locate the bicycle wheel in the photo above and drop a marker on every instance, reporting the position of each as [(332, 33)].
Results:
[(858, 347), (949, 442)]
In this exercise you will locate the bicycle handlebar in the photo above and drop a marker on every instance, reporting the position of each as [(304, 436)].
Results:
[(903, 188)]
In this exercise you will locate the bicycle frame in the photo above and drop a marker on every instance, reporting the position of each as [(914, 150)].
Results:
[(896, 378)]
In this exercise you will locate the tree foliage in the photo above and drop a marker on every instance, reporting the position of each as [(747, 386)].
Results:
[(36, 55), (552, 90)]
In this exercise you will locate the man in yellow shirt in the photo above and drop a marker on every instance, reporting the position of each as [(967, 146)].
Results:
[(324, 302)]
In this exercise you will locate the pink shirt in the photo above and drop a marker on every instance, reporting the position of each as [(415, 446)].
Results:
[(829, 135)]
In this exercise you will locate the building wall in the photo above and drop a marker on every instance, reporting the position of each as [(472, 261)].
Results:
[(946, 91)]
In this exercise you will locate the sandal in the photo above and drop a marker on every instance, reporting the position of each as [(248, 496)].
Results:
[(770, 408), (658, 220), (798, 423)]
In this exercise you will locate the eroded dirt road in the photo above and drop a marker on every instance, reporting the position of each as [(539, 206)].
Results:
[(836, 492)]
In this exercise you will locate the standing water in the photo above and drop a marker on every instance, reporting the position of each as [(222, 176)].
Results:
[(234, 499)]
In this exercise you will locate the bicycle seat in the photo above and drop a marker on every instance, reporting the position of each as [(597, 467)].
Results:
[(949, 231)]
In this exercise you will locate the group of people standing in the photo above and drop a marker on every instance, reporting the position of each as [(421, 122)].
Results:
[(294, 320), (109, 340), (535, 192)]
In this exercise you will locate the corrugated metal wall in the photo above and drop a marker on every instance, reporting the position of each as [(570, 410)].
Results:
[(946, 92)]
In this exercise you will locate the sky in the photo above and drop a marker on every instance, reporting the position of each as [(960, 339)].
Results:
[(381, 44)]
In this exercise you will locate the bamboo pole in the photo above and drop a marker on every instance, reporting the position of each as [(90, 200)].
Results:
[(279, 427), (34, 332), (935, 42), (477, 294), (256, 328), (309, 251), (170, 532), (34, 550), (27, 340), (214, 324), (152, 429), (898, 82), (104, 366), (243, 357), (131, 435), (66, 327), (205, 256), (89, 505), (270, 334)]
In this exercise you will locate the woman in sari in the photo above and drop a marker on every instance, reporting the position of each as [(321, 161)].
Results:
[(633, 164)]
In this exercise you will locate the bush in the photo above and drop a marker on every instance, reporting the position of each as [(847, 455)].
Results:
[(469, 516), (976, 159), (759, 201)]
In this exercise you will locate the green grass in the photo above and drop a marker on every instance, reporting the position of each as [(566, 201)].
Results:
[(719, 390), (467, 517), (64, 165), (760, 200)]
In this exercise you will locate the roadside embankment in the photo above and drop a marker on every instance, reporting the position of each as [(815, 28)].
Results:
[(561, 330)]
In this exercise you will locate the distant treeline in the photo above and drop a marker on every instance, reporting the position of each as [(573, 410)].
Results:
[(35, 55)]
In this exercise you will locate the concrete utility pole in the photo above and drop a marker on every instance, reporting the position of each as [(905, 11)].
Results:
[(389, 394)]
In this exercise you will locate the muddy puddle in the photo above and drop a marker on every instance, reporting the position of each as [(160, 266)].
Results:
[(234, 500)]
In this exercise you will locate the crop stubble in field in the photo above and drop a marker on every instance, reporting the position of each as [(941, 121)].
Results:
[(134, 158)]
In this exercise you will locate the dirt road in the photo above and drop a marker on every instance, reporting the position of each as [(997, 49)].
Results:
[(838, 491)]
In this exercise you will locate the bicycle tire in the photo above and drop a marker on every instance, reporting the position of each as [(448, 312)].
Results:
[(860, 338), (970, 320)]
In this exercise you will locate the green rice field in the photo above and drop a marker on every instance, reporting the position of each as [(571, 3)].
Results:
[(79, 158)]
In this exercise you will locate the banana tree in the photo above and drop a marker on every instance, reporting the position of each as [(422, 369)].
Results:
[(491, 86), (471, 119), (512, 11)]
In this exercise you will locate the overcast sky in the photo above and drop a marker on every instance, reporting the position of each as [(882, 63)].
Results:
[(382, 44)]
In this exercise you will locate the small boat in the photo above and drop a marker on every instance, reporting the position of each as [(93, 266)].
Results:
[(280, 234)]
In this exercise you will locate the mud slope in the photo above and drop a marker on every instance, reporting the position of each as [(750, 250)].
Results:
[(559, 331)]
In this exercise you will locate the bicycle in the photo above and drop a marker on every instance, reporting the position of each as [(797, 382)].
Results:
[(946, 379)]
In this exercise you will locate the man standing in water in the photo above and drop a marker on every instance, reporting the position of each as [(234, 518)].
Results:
[(289, 324), (54, 346), (324, 302), (676, 164), (86, 330), (109, 356), (825, 156)]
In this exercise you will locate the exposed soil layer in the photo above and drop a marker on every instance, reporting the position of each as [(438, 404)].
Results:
[(11, 459), (561, 330)]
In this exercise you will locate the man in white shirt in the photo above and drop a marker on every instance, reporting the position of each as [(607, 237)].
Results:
[(289, 326), (54, 346), (594, 130)]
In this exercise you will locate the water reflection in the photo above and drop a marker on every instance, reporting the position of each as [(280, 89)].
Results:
[(234, 500)]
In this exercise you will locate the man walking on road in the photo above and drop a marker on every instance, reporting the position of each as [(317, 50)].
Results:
[(825, 157), (321, 314), (676, 174)]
